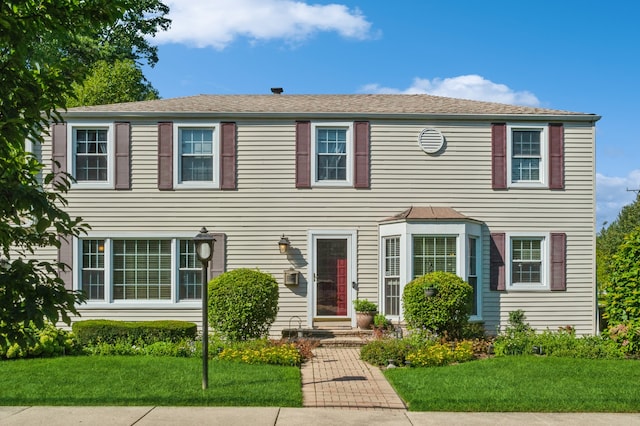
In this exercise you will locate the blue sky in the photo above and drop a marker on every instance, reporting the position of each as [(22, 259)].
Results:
[(576, 55)]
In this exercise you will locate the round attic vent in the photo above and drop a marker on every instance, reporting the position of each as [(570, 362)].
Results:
[(430, 140)]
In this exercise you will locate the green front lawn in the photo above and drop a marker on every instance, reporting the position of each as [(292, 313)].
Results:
[(145, 380), (522, 383)]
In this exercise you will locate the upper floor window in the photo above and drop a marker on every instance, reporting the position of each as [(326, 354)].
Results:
[(92, 153), (526, 154), (198, 156), (332, 154)]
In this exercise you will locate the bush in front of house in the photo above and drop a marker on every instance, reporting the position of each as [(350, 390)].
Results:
[(380, 351), (243, 304), (262, 351), (438, 354), (95, 332), (446, 312), (41, 342)]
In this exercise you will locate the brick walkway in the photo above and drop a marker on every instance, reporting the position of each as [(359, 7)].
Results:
[(337, 378)]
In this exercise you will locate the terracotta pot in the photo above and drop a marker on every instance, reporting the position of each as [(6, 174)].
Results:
[(364, 320)]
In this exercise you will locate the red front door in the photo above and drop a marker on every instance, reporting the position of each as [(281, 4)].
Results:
[(331, 277)]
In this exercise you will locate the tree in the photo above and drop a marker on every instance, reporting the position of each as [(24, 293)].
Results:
[(622, 293), (45, 47), (108, 83), (609, 240)]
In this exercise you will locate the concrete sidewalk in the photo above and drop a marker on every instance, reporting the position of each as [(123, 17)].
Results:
[(273, 416)]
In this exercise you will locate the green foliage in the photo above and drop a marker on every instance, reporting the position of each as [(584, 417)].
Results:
[(447, 312), (379, 352), (94, 332), (108, 83), (45, 342), (243, 304), (622, 292), (520, 339), (47, 46), (380, 321), (626, 335), (609, 239), (184, 348), (364, 305), (438, 354), (262, 352)]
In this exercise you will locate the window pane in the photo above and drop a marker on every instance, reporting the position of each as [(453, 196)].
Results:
[(189, 275), (331, 149), (432, 253), (92, 274), (196, 152), (91, 160), (526, 261), (142, 269), (392, 276)]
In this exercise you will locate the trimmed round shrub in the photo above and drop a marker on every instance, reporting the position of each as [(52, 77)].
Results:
[(444, 313), (243, 304)]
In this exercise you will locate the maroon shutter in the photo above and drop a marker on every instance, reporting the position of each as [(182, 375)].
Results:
[(165, 156), (59, 147), (65, 256), (228, 156), (217, 264), (361, 157), (303, 154), (497, 271), (556, 156), (558, 261), (123, 147), (499, 156)]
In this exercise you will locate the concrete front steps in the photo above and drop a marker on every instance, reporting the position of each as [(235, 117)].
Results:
[(331, 336)]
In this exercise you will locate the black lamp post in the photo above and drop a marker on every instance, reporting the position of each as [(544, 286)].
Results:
[(204, 250)]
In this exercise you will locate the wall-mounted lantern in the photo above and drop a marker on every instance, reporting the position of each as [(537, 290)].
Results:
[(283, 244)]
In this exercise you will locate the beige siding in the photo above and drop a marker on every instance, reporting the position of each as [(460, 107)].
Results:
[(267, 204)]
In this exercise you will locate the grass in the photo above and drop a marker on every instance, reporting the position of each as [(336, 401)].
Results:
[(522, 383), (146, 380)]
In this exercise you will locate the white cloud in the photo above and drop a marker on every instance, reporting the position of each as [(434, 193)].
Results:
[(470, 86), (217, 23), (612, 195)]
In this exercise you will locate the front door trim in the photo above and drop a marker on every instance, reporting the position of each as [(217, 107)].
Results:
[(352, 276)]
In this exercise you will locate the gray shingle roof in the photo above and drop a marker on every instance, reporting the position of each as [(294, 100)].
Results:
[(320, 104)]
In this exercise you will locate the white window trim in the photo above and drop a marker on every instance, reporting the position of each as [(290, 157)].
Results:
[(111, 155), (462, 230), (544, 256), (352, 276), (349, 148), (544, 161), (177, 180), (109, 302)]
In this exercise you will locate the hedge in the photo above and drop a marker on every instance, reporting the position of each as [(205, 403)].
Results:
[(91, 332)]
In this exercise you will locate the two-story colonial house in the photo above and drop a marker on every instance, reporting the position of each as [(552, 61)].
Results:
[(369, 191)]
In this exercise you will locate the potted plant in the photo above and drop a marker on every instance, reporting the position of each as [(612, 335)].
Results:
[(365, 311)]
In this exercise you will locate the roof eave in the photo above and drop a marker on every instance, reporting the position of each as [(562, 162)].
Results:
[(329, 115)]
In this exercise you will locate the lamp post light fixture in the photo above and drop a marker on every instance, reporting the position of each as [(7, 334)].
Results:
[(283, 244), (204, 250)]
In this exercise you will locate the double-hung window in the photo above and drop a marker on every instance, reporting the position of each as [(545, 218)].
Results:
[(527, 149), (92, 155), (528, 262), (125, 270), (198, 156), (332, 154), (392, 275)]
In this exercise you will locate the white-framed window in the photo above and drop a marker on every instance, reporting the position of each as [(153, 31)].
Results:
[(391, 276), (137, 270), (412, 249), (527, 155), (528, 262), (332, 158), (91, 154), (196, 164), (434, 253)]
